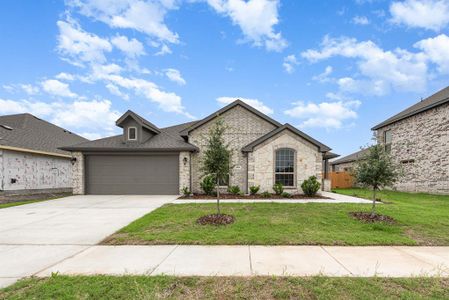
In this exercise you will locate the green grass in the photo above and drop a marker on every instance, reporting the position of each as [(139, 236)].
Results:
[(164, 287), (421, 220), (17, 203)]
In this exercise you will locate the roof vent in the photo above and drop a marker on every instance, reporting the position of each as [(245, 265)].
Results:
[(6, 127)]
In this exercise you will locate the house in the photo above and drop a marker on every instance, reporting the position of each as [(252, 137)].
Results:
[(418, 139), (347, 163), (145, 159), (30, 161)]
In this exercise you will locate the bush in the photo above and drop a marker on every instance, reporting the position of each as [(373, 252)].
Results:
[(185, 191), (234, 190), (266, 194), (208, 184), (278, 188), (310, 186), (254, 189), (286, 195)]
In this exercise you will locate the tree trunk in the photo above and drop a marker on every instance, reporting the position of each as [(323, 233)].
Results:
[(373, 208), (218, 195)]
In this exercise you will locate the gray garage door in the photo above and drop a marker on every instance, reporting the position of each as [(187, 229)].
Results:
[(132, 174)]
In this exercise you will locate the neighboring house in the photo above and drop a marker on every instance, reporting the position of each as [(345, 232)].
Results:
[(418, 139), (346, 163), (30, 161), (145, 159)]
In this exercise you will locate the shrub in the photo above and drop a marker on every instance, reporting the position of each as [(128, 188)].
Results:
[(278, 188), (208, 184), (234, 190), (310, 186), (254, 189), (286, 195), (266, 194), (185, 191)]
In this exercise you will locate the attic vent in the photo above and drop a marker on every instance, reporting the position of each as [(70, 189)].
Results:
[(6, 127)]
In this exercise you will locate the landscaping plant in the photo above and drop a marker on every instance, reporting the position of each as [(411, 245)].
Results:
[(217, 157), (278, 188), (208, 184), (286, 195), (254, 189), (376, 170), (310, 186), (234, 190), (185, 191), (266, 194)]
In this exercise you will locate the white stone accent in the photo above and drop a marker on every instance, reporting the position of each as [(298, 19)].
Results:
[(78, 174), (184, 171)]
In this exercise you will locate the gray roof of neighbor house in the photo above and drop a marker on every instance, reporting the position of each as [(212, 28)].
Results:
[(250, 146), (436, 99), (25, 131), (351, 157), (168, 139)]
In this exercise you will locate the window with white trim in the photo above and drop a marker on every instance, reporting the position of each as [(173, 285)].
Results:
[(132, 133), (284, 171)]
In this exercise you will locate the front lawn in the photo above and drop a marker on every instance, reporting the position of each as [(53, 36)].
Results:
[(421, 220), (16, 200), (162, 287)]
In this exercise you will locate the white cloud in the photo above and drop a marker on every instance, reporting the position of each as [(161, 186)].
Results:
[(132, 48), (65, 76), (257, 104), (113, 89), (144, 16), (96, 117), (360, 20), (175, 76), (398, 69), (329, 115), (428, 14), (256, 19), (30, 89), (324, 77), (163, 51), (79, 46), (289, 63), (57, 88), (437, 51)]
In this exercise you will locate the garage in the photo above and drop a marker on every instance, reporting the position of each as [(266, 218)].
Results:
[(132, 174)]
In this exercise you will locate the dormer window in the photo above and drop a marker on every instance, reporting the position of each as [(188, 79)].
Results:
[(132, 133)]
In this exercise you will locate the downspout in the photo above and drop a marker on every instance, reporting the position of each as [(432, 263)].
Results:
[(190, 172), (247, 174)]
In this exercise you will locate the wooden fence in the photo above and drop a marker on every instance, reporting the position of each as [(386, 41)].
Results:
[(341, 179)]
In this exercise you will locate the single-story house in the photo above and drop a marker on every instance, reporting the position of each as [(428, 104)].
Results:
[(347, 163), (145, 159), (30, 158), (418, 138)]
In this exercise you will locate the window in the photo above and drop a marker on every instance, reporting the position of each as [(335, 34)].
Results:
[(387, 140), (285, 167), (132, 133)]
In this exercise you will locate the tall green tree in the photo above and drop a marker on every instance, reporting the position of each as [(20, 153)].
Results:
[(376, 170), (217, 157)]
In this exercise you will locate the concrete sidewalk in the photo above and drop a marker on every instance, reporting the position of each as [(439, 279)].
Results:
[(257, 260)]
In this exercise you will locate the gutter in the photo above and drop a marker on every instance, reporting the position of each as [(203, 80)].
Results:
[(17, 149)]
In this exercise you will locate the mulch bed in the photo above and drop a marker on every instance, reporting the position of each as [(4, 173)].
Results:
[(257, 196), (367, 217), (216, 219)]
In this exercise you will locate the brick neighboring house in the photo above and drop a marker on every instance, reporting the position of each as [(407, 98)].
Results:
[(146, 159), (346, 163), (418, 139), (30, 161)]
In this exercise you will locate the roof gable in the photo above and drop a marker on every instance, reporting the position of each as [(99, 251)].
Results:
[(321, 147), (436, 99), (228, 107), (142, 122)]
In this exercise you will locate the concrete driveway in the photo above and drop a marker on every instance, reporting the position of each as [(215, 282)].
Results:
[(36, 236)]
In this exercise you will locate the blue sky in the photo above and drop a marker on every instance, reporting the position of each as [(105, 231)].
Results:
[(334, 68)]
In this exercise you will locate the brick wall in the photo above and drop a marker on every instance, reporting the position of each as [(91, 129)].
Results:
[(420, 145), (78, 174)]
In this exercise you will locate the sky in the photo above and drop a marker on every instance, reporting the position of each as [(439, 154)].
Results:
[(333, 69)]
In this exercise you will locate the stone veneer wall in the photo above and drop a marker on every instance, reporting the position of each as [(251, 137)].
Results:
[(309, 161), (184, 171), (243, 128), (423, 138), (78, 174), (341, 167)]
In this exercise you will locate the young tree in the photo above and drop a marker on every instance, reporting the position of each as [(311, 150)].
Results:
[(376, 170), (217, 157)]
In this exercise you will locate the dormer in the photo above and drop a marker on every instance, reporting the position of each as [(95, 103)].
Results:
[(135, 128)]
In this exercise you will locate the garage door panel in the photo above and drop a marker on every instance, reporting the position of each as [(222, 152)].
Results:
[(132, 174)]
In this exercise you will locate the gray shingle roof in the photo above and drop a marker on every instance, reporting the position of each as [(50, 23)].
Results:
[(436, 99), (351, 157), (143, 122), (168, 139), (30, 132)]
